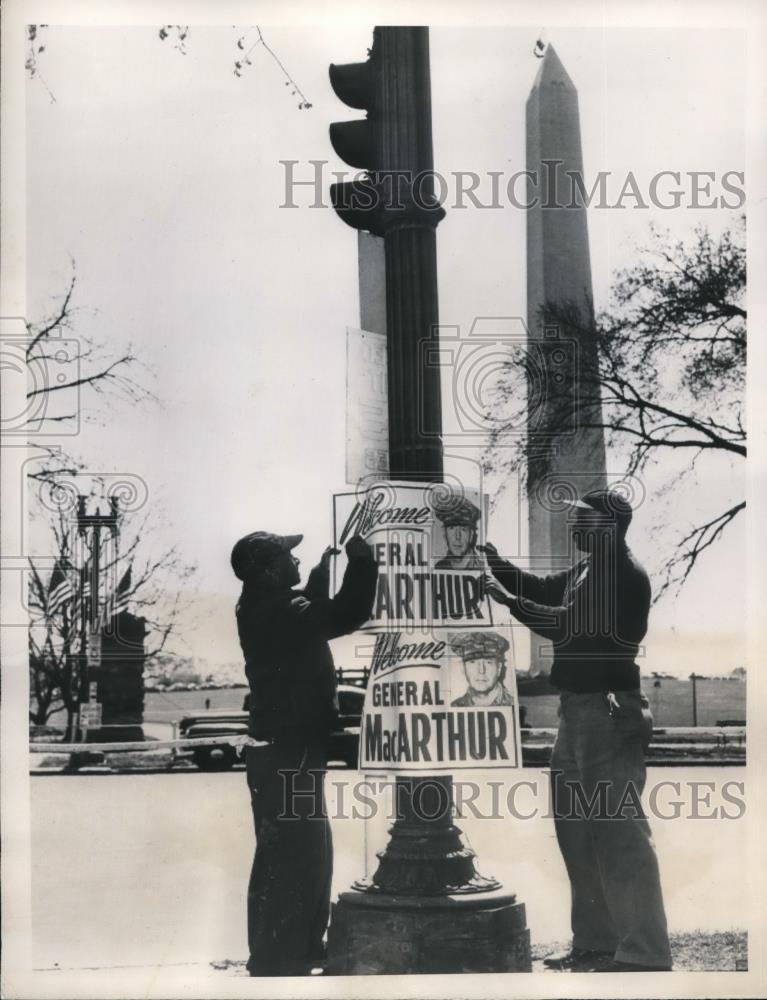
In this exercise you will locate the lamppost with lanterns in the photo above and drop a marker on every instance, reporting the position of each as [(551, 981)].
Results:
[(89, 715)]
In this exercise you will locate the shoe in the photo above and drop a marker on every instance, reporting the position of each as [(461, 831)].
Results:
[(615, 966), (576, 959)]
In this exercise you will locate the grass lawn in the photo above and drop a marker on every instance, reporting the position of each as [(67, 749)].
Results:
[(671, 702), (693, 951)]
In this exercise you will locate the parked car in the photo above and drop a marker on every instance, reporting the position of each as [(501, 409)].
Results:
[(344, 740)]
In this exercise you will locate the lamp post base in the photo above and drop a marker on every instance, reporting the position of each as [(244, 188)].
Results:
[(377, 934)]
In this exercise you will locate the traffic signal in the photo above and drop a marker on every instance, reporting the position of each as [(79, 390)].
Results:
[(393, 144), (358, 142)]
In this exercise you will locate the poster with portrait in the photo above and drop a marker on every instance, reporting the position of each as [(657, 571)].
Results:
[(447, 702), (424, 537)]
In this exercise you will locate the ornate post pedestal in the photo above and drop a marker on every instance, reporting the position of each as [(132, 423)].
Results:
[(427, 909), (379, 934)]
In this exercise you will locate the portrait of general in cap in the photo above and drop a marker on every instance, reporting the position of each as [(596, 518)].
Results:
[(459, 518), (484, 665)]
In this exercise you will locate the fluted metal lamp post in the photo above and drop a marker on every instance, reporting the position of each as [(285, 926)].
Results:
[(425, 909)]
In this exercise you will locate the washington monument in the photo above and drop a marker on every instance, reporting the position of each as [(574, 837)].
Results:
[(566, 455)]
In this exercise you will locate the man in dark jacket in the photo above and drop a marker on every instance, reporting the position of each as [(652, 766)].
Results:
[(596, 614), (284, 636)]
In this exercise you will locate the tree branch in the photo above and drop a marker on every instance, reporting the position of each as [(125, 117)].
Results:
[(693, 544)]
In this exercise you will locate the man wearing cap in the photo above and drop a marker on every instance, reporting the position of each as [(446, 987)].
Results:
[(459, 518), (596, 614), (284, 635), (484, 664)]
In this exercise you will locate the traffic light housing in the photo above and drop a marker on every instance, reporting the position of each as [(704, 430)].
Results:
[(355, 142), (393, 143)]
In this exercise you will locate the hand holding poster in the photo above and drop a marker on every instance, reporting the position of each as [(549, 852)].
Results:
[(424, 539), (441, 691)]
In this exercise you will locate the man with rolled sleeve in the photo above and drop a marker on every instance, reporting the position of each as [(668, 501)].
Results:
[(596, 615), (284, 635)]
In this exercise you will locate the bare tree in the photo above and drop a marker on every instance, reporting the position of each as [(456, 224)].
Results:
[(35, 48), (64, 369), (670, 374), (153, 583), (247, 44), (68, 371), (53, 640), (88, 367)]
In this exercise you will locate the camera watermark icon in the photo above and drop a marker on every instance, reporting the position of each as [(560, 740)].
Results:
[(503, 383), (40, 381), (555, 492)]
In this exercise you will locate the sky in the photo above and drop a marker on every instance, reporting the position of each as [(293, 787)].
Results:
[(159, 173)]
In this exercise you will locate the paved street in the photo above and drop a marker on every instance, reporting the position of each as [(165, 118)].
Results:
[(151, 869)]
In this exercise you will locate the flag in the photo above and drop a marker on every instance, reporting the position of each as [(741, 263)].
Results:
[(82, 594), (37, 588), (59, 589), (118, 601), (123, 589)]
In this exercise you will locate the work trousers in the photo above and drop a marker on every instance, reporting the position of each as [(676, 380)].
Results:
[(598, 775), (289, 888)]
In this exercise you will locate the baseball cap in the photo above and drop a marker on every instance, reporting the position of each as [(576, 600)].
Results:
[(257, 549), (609, 502)]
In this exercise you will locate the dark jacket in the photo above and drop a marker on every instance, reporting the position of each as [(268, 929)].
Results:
[(288, 663), (595, 613)]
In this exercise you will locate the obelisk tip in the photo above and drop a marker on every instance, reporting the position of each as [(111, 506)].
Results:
[(552, 72)]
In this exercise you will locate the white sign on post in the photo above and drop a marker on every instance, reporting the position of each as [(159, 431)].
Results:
[(441, 692), (367, 407), (90, 715), (93, 650)]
